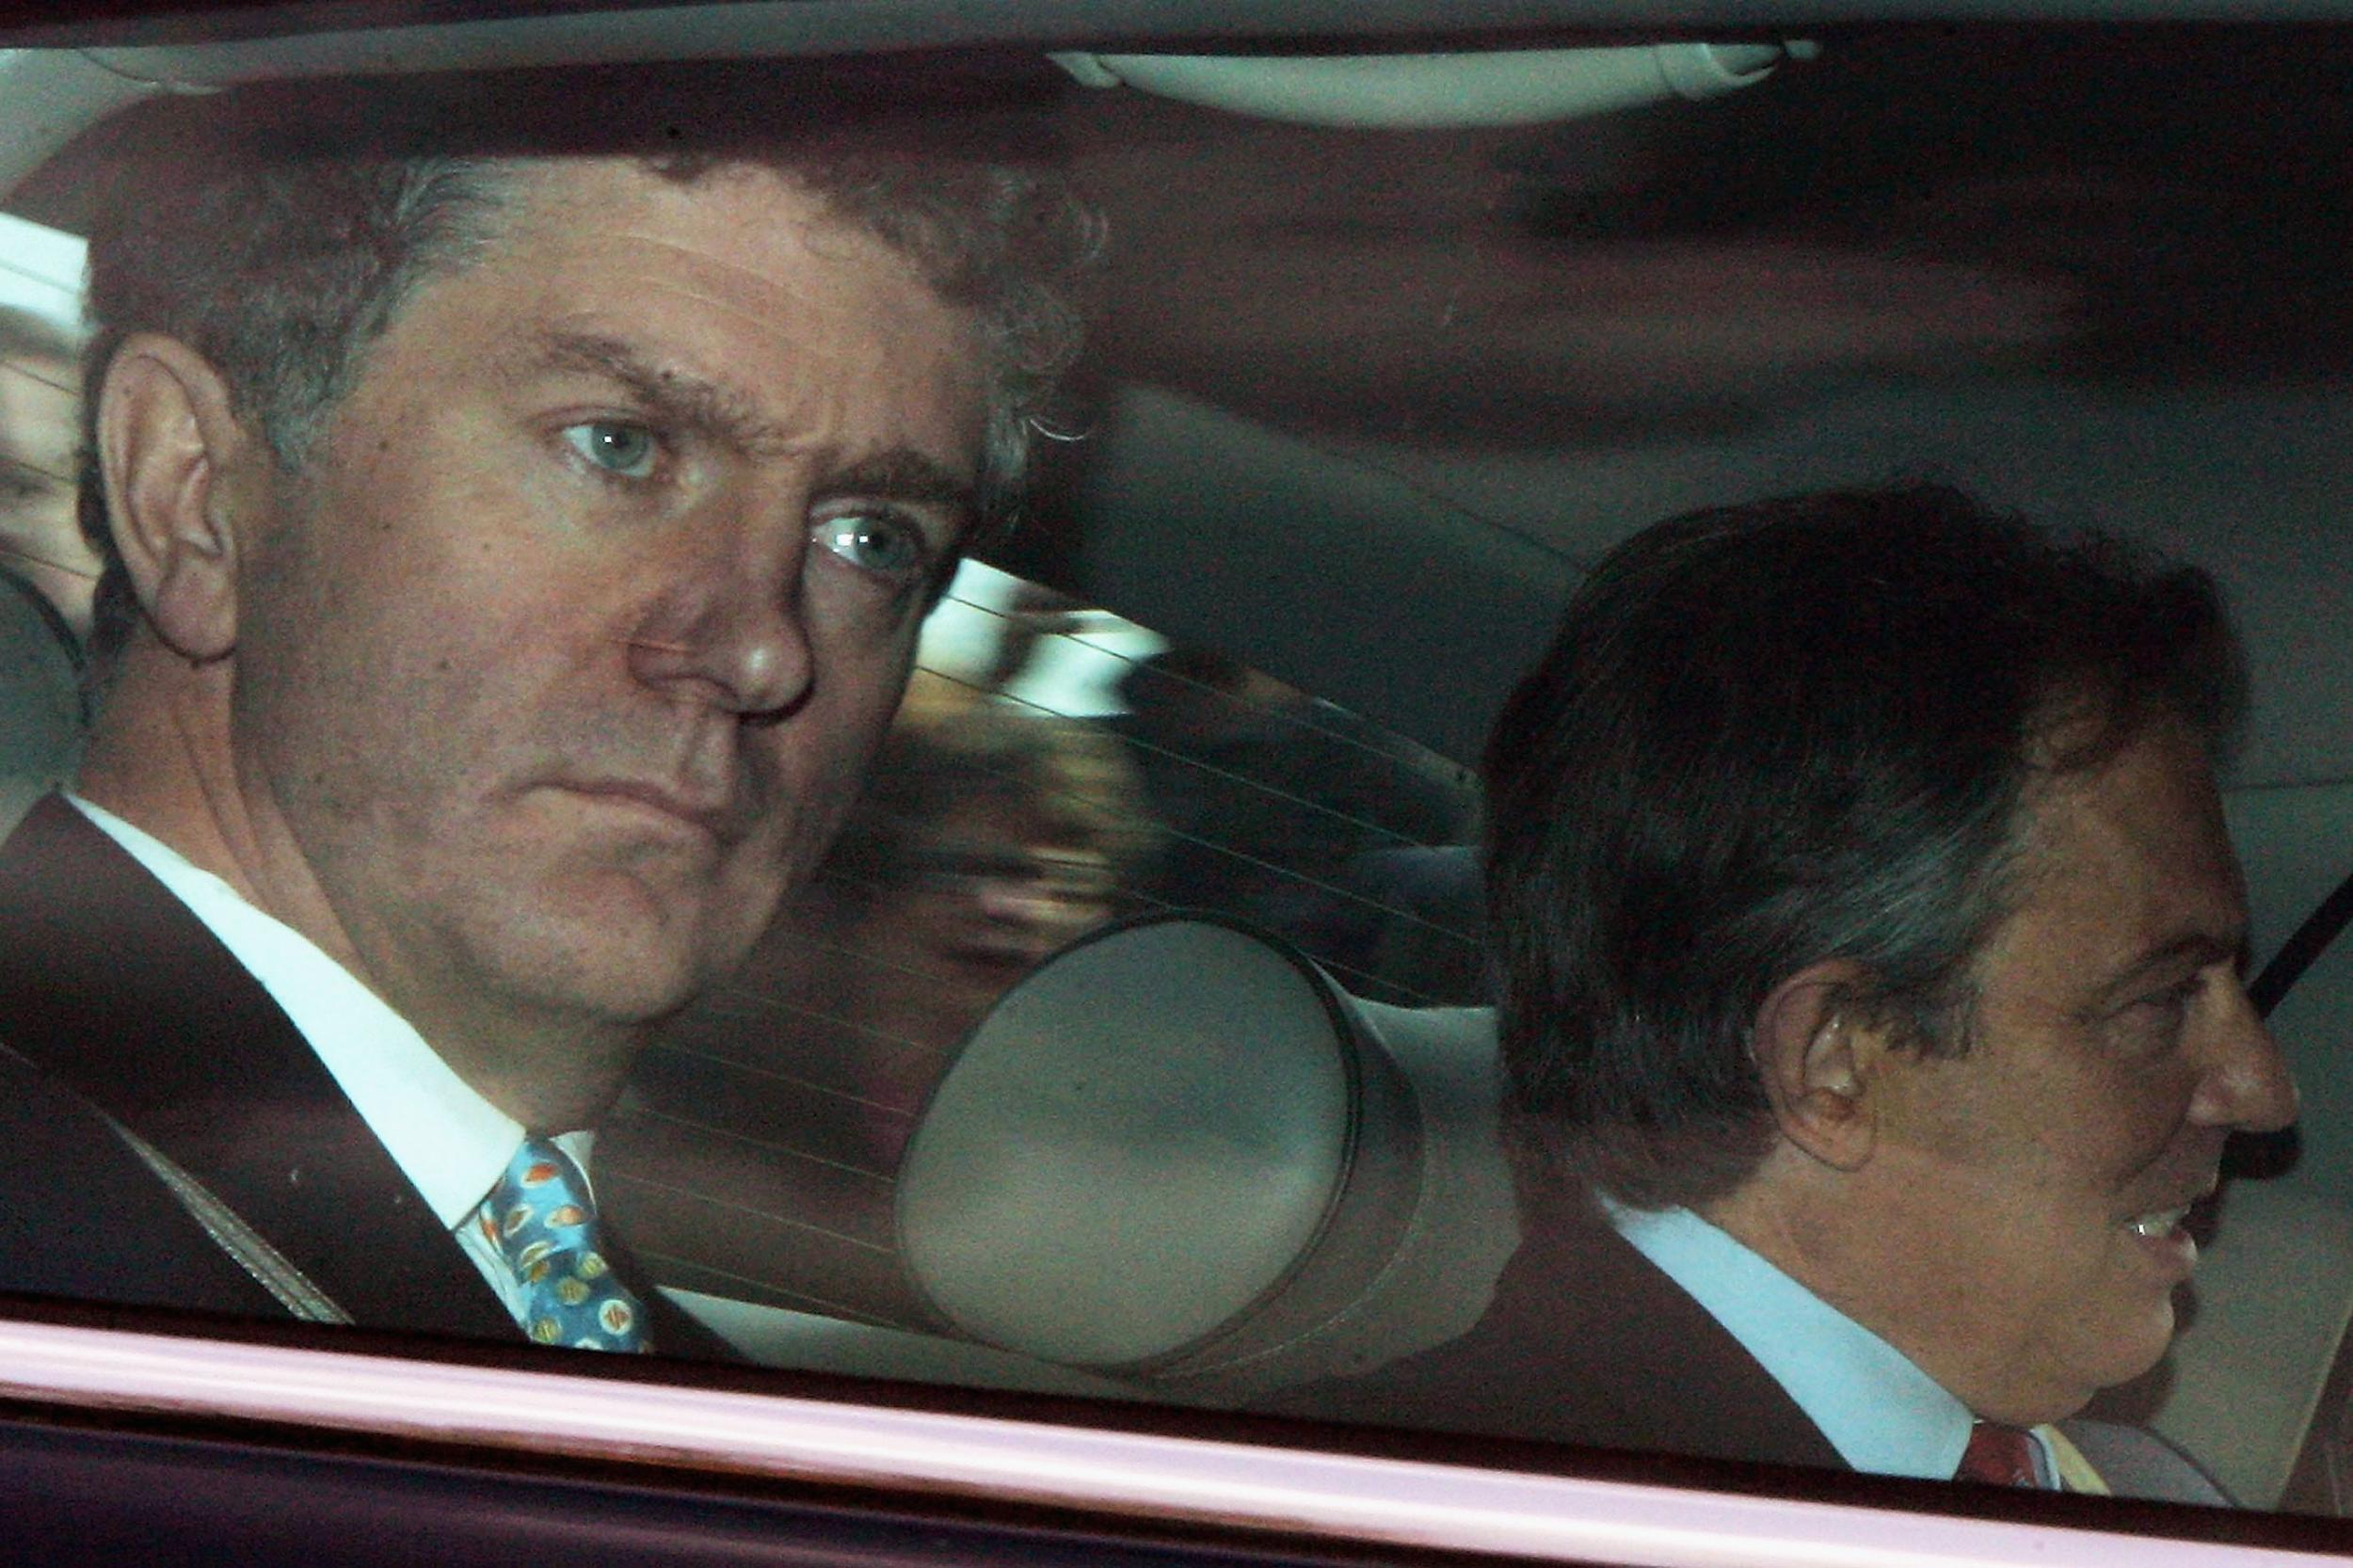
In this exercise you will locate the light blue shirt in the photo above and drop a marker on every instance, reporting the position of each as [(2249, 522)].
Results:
[(1880, 1411)]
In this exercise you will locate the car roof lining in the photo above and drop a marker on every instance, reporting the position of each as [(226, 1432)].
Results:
[(804, 25)]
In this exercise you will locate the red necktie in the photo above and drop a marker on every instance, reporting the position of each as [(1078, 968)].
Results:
[(2000, 1456)]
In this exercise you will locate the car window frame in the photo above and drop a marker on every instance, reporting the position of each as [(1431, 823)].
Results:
[(1206, 1470)]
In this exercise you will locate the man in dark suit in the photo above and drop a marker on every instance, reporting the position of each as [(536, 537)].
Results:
[(1872, 1006), (512, 562)]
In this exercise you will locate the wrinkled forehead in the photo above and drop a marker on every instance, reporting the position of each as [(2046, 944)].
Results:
[(720, 296)]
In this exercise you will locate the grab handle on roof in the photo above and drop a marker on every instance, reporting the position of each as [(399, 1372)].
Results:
[(1435, 91)]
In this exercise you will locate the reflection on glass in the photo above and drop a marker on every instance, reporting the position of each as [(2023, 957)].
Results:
[(757, 1146)]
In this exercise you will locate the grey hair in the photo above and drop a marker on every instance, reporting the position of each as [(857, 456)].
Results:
[(283, 273), (281, 279)]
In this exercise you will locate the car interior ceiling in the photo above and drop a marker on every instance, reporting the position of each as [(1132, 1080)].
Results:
[(1398, 387)]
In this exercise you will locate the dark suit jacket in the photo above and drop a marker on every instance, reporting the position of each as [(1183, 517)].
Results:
[(1588, 1342), (115, 997)]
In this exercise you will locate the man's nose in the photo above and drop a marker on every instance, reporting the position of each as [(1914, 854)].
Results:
[(2247, 1085), (728, 632)]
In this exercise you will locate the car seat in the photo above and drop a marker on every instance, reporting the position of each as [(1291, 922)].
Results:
[(1179, 1155)]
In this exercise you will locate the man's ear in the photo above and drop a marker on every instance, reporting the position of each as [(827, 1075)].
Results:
[(1819, 1053), (172, 454)]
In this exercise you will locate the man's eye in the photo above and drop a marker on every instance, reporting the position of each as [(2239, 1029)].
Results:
[(880, 542), (626, 450), (2168, 1007)]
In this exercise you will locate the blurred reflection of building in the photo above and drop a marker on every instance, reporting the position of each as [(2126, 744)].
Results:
[(1053, 768), (1296, 815), (41, 536), (46, 571), (756, 1149)]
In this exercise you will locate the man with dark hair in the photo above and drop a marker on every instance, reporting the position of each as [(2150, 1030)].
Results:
[(1873, 1013), (514, 558)]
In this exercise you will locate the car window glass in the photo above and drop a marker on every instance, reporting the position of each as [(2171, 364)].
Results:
[(1055, 769), (1359, 409)]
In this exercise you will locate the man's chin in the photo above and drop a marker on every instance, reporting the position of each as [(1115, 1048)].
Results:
[(2092, 1351), (2132, 1351), (610, 967)]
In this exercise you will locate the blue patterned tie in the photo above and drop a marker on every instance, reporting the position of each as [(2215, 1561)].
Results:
[(538, 1217)]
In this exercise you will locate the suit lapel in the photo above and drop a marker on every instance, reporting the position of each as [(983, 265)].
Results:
[(1632, 1361), (114, 988)]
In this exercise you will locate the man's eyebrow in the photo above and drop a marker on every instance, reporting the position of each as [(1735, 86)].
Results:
[(2193, 949), (710, 409), (905, 475), (722, 414)]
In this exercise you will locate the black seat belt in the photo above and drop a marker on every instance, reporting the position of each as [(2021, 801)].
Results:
[(2302, 950)]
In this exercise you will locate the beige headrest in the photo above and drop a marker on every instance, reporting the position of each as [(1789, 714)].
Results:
[(1179, 1153)]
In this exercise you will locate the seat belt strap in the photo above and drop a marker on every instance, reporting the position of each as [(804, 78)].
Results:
[(2302, 950), (246, 1247), (250, 1250)]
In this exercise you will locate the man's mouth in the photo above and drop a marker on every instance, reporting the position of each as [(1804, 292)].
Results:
[(708, 813), (2164, 1241), (2157, 1226)]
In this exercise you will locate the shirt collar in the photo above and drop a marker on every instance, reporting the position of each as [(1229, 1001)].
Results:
[(1878, 1408), (450, 1141)]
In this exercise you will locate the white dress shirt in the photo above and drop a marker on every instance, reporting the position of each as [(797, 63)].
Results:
[(448, 1141), (1880, 1411)]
